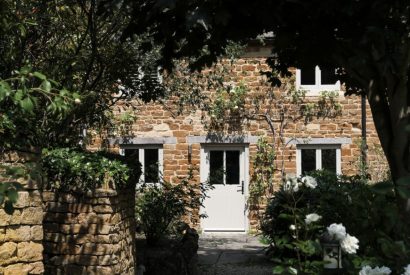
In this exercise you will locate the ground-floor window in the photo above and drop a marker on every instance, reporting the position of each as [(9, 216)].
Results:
[(151, 159), (312, 157)]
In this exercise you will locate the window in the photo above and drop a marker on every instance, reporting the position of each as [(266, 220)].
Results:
[(150, 157), (315, 80), (224, 167), (316, 157)]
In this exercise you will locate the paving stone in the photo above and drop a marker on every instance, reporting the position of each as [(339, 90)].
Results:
[(232, 255)]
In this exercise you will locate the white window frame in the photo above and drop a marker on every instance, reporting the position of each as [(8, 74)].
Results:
[(318, 148), (141, 157), (314, 90)]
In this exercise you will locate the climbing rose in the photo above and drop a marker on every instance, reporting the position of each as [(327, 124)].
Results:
[(407, 270), (350, 244), (309, 182), (292, 227), (337, 231), (312, 218), (367, 270)]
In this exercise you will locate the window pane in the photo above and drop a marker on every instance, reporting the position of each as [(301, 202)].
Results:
[(308, 160), (329, 160), (132, 154), (328, 76), (216, 167), (232, 167), (151, 169), (307, 76)]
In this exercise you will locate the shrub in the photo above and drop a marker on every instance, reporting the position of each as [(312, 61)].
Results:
[(80, 171), (368, 212), (161, 206)]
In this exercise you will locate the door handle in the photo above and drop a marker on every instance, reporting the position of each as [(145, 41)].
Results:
[(242, 188)]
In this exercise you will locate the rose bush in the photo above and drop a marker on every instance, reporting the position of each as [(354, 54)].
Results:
[(353, 212)]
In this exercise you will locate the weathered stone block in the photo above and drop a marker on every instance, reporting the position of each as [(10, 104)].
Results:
[(100, 270), (4, 218), (18, 233), (8, 251), (32, 215), (30, 251), (37, 268), (23, 200), (36, 232), (102, 209), (17, 269), (86, 260)]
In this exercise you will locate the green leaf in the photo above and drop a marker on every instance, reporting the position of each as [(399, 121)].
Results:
[(12, 195), (46, 85), (39, 75), (382, 187), (18, 95), (27, 104), (4, 90), (278, 269)]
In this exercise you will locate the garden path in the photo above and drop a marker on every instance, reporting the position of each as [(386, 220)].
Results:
[(232, 254)]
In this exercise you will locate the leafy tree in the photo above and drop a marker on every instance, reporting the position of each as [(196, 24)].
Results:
[(367, 40), (60, 62)]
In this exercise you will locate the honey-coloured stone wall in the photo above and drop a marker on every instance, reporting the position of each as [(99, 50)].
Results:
[(92, 233), (154, 120), (21, 234)]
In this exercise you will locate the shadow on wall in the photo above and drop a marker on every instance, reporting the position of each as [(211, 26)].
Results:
[(89, 233)]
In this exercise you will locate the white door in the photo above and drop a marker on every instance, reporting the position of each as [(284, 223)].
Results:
[(226, 169)]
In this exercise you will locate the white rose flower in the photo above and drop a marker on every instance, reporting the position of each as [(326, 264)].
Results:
[(350, 244), (367, 270), (312, 218), (292, 227), (407, 270), (337, 231), (291, 184), (309, 182), (293, 270)]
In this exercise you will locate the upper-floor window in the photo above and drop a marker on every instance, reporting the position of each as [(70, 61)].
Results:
[(315, 80)]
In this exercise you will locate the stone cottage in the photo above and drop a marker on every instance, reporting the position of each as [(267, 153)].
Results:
[(313, 131)]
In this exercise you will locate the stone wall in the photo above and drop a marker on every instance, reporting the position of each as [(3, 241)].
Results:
[(155, 120), (89, 234), (21, 234)]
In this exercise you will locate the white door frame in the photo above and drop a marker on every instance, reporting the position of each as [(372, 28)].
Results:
[(204, 176)]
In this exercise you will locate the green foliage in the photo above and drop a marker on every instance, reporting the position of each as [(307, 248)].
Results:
[(369, 212), (263, 171), (82, 171), (27, 99), (161, 206), (228, 104)]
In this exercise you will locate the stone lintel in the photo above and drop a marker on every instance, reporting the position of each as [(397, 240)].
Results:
[(318, 141), (222, 139)]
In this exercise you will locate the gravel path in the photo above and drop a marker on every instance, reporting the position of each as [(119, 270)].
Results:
[(232, 255)]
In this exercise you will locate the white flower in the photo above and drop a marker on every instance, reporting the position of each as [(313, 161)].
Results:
[(309, 182), (292, 227), (407, 270), (291, 184), (337, 231), (77, 101), (350, 244), (312, 218), (367, 270), (293, 270)]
